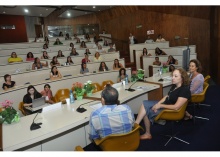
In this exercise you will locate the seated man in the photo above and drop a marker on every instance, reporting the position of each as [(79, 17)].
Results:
[(110, 118), (111, 49), (157, 62)]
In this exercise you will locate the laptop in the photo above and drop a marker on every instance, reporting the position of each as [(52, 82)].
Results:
[(37, 104)]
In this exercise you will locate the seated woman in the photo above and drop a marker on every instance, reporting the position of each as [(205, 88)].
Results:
[(30, 56), (159, 52), (67, 37), (87, 52), (14, 58), (84, 68), (103, 67), (122, 75), (145, 53), (54, 62), (97, 57), (58, 42), (83, 44), (86, 59), (171, 60), (45, 48), (117, 65), (160, 39), (177, 96), (87, 37), (8, 82), (73, 52), (55, 73), (71, 46), (100, 50), (171, 68), (47, 93), (197, 80), (69, 61), (157, 62), (45, 55), (32, 93), (60, 54), (78, 40), (38, 65)]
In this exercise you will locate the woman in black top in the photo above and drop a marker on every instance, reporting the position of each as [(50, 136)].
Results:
[(54, 62), (8, 82), (171, 60), (73, 52), (177, 96), (60, 54), (32, 93), (159, 52), (103, 67), (69, 61)]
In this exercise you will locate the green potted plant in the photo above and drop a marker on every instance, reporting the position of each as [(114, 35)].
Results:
[(140, 74), (89, 87), (78, 90), (8, 114)]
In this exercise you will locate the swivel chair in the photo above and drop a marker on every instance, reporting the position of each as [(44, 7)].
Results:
[(121, 142), (20, 107), (106, 82), (61, 94), (173, 116)]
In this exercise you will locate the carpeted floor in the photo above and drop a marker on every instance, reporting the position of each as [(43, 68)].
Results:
[(202, 136)]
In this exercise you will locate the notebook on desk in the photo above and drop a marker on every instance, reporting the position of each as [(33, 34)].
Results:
[(37, 104)]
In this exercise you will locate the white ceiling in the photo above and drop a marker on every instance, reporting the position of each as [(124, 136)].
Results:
[(44, 11)]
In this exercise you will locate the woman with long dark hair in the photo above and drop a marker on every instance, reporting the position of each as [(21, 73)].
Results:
[(84, 68), (103, 67), (117, 65)]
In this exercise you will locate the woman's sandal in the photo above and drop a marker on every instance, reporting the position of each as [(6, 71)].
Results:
[(188, 117)]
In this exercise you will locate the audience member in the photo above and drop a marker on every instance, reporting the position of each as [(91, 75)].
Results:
[(149, 40), (145, 53), (8, 82), (83, 44), (45, 55), (197, 80), (97, 57), (69, 61), (177, 96), (73, 52), (14, 58), (110, 118), (38, 65), (67, 37), (60, 54), (160, 39), (159, 52), (103, 67), (87, 37), (86, 59), (96, 45), (157, 62), (58, 42), (111, 49), (117, 65), (131, 39), (32, 93), (84, 68), (122, 75), (171, 60), (61, 34), (71, 46), (77, 40), (47, 93), (30, 56), (54, 62), (45, 48), (87, 52), (100, 50), (55, 73), (75, 36), (171, 68), (46, 38), (105, 43)]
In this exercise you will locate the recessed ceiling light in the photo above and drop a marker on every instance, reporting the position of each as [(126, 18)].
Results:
[(99, 10), (75, 7), (25, 10), (88, 24), (93, 6), (68, 14), (4, 12), (85, 12), (46, 9), (40, 14)]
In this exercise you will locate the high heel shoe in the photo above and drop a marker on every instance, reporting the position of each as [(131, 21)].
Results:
[(188, 117)]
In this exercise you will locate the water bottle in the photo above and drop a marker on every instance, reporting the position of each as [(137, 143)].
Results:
[(126, 80), (71, 97)]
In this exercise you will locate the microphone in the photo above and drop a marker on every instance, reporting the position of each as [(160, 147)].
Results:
[(35, 126), (81, 109), (129, 89)]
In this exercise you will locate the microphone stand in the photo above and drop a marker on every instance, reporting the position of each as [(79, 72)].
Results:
[(129, 89), (35, 126)]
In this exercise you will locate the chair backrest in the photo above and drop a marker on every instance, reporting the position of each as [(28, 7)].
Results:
[(61, 94), (173, 115), (106, 82), (121, 142), (20, 107), (198, 98), (207, 78), (97, 87)]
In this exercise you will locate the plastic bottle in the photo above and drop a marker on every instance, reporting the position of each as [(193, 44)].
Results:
[(71, 97), (126, 80)]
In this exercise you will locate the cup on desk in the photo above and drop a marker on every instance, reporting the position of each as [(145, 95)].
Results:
[(67, 101)]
